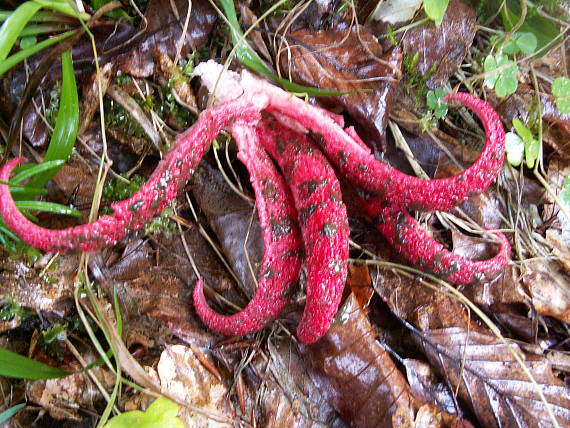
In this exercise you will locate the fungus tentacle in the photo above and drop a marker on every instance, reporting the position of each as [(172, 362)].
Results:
[(360, 167), (415, 244), (356, 162), (282, 244), (323, 220), (132, 213)]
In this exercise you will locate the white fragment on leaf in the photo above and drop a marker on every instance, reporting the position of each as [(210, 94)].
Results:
[(395, 11), (183, 376)]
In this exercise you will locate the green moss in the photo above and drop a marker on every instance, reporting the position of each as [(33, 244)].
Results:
[(12, 309), (162, 224), (117, 190), (51, 340), (415, 80), (53, 106)]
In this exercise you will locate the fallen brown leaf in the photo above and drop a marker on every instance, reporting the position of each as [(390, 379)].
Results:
[(491, 381), (347, 59), (356, 374)]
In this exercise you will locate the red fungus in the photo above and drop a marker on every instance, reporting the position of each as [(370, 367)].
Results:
[(132, 213), (410, 240), (323, 220), (326, 232), (282, 244)]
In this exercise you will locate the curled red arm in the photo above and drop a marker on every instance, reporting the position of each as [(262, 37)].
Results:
[(323, 220), (360, 167), (410, 240), (282, 244), (132, 213)]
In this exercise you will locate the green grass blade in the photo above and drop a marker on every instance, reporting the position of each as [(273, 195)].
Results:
[(30, 170), (19, 56), (62, 6), (14, 25), (7, 414), (48, 207), (35, 29), (18, 366), (24, 189), (66, 125), (5, 231), (39, 17)]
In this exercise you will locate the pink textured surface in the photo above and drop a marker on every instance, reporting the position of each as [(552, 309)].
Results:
[(323, 220), (281, 238), (409, 239), (359, 166), (316, 195), (132, 213)]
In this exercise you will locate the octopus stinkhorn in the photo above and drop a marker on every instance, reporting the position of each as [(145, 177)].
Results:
[(288, 129)]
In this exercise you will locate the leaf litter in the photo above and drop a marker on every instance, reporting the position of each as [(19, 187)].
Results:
[(440, 365)]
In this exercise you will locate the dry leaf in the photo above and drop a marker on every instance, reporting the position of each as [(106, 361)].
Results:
[(282, 385), (442, 49), (347, 59), (549, 286), (356, 374), (492, 382), (182, 376)]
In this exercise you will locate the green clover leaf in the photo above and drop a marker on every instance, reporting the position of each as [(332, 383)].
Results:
[(523, 41), (515, 148), (561, 92), (435, 10), (434, 100), (502, 74)]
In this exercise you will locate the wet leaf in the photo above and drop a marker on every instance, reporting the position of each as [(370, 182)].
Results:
[(234, 222), (492, 382), (162, 31), (547, 283), (346, 59), (360, 284), (288, 397), (355, 373), (442, 50), (426, 386)]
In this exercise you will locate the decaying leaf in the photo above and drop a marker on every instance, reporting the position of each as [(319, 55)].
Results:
[(163, 30), (234, 222), (282, 384), (50, 293), (426, 386), (356, 374), (157, 282), (66, 397), (548, 284), (347, 59), (491, 381), (182, 376), (442, 49)]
